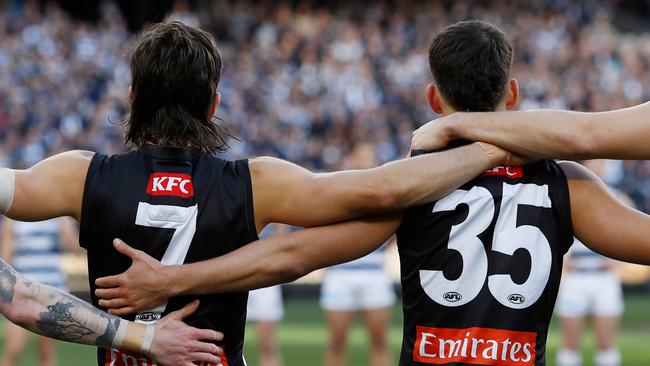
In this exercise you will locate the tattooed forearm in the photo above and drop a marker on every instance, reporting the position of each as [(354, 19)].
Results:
[(7, 282), (58, 321), (71, 319), (53, 313)]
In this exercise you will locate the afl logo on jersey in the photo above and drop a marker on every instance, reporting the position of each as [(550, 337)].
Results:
[(170, 184), (452, 296), (517, 299), (147, 317)]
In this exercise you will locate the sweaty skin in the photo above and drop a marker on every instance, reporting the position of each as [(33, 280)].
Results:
[(617, 134)]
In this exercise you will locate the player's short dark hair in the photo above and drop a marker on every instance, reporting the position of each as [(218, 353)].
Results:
[(175, 70), (471, 63)]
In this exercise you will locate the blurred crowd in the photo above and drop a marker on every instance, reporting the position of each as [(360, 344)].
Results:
[(306, 81)]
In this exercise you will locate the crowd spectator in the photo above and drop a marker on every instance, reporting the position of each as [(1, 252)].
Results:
[(305, 80)]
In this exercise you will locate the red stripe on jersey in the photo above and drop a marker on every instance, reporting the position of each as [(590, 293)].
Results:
[(476, 346)]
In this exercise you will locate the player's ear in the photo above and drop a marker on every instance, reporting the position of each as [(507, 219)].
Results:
[(215, 103), (512, 99), (433, 96), (130, 91)]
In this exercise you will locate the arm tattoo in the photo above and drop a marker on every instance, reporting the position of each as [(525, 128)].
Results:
[(7, 282), (65, 317), (58, 321), (73, 320)]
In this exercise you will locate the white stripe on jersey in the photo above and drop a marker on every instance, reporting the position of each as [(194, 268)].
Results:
[(36, 261)]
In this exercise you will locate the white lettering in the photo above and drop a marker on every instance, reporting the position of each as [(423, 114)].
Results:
[(529, 356), (114, 353), (158, 183), (516, 347), (504, 351), (463, 351), (424, 343), (172, 182), (453, 346), (475, 343), (183, 185), (492, 351)]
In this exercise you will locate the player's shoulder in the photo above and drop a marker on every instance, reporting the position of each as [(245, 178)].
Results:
[(75, 156), (576, 171)]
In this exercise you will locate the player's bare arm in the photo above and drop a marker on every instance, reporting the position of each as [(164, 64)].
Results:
[(617, 134), (277, 259), (53, 187), (55, 314), (286, 193), (603, 222)]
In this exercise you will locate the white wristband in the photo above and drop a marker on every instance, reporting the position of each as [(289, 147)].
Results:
[(7, 187), (148, 338), (120, 333)]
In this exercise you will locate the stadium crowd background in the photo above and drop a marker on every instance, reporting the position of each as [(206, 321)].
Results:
[(306, 82)]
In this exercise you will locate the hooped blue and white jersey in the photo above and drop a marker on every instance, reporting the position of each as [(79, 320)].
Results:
[(37, 252)]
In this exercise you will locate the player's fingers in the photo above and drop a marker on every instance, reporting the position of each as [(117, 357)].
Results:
[(205, 358), (122, 311), (108, 293), (125, 249), (186, 311), (113, 303), (209, 335), (211, 348), (109, 281)]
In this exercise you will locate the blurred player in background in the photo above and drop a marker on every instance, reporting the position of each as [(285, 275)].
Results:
[(35, 250), (266, 310), (361, 286), (590, 287)]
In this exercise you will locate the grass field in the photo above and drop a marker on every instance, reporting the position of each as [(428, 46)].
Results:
[(303, 337)]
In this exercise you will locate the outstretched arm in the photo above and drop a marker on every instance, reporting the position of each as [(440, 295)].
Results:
[(286, 193), (277, 259), (618, 134), (55, 314), (604, 223), (54, 187)]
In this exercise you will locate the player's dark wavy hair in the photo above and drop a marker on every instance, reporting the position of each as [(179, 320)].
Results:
[(175, 70), (471, 63)]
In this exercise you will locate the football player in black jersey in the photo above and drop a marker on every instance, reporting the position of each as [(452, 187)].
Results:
[(171, 198), (480, 267)]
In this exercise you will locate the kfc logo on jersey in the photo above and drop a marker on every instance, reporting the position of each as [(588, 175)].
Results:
[(476, 346), (512, 172), (115, 357), (170, 184)]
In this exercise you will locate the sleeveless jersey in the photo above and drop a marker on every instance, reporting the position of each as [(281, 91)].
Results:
[(179, 206), (481, 269), (37, 252)]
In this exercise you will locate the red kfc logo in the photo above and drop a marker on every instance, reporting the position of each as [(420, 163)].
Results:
[(476, 346), (512, 172), (170, 184)]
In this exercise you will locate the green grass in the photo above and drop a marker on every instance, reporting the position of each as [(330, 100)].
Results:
[(303, 336)]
